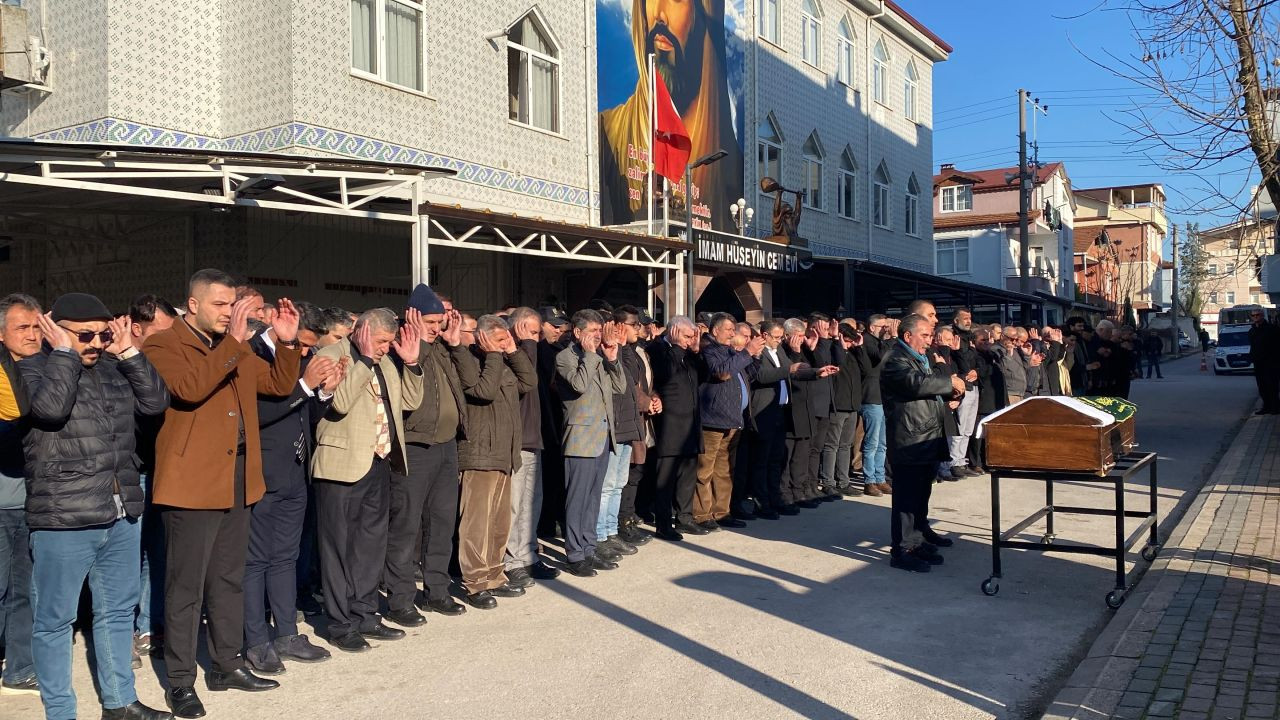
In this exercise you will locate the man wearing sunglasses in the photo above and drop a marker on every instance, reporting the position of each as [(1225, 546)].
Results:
[(84, 499)]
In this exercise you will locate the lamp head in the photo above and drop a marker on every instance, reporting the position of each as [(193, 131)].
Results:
[(769, 185)]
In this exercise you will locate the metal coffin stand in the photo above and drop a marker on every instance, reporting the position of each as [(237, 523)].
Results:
[(1125, 467)]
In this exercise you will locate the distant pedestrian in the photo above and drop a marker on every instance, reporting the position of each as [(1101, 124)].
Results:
[(1153, 348)]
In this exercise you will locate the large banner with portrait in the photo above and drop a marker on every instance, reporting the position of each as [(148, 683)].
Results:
[(699, 54)]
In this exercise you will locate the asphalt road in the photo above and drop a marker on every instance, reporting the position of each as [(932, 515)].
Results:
[(797, 618)]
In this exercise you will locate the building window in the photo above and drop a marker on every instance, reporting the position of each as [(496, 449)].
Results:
[(1213, 268), (844, 52), (810, 32), (912, 207), (880, 198), (1253, 298), (953, 256), (769, 24), (1213, 298), (533, 75), (813, 155), (769, 160), (386, 41), (957, 198), (880, 73), (1230, 269), (910, 80), (1231, 297), (847, 186)]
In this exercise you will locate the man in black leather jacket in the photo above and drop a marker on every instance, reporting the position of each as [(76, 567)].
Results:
[(915, 394)]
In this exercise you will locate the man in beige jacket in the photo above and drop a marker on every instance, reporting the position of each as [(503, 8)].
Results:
[(359, 441)]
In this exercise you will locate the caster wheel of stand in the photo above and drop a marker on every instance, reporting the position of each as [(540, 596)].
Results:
[(990, 586), (1115, 599), (1149, 552)]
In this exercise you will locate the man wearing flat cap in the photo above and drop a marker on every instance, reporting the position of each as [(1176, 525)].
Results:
[(84, 500), (424, 500)]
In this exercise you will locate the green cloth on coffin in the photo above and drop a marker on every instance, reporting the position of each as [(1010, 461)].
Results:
[(1118, 408)]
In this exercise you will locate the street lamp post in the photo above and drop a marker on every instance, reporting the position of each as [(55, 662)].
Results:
[(688, 222), (742, 215)]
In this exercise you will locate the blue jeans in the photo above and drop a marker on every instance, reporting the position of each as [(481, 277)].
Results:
[(109, 556), (151, 591), (873, 443), (615, 478), (15, 595)]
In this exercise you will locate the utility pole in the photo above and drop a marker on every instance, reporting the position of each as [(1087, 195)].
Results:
[(1024, 202), (1177, 332)]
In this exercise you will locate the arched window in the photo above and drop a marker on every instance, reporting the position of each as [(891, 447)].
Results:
[(845, 52), (811, 32), (813, 155), (912, 222), (880, 73), (847, 186), (880, 197), (911, 80), (533, 74), (769, 159)]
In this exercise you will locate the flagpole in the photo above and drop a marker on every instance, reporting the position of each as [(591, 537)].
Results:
[(666, 216), (653, 121)]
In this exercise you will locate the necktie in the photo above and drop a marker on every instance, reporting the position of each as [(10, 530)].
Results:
[(382, 442)]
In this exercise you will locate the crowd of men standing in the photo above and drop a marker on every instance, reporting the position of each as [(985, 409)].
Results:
[(237, 461)]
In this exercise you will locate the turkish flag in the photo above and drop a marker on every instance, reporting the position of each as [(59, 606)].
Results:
[(671, 144)]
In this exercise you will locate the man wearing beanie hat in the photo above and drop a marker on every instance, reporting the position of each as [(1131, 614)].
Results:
[(84, 500)]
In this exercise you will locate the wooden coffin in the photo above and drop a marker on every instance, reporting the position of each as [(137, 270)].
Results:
[(1123, 411), (1043, 434)]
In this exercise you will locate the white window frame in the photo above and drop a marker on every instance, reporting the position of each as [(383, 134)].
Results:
[(880, 72), (770, 25), (847, 187), (911, 208), (1229, 270), (379, 73), (910, 85), (1231, 297), (1213, 298), (846, 52), (529, 54), (762, 144), (955, 193), (1213, 268), (952, 247), (814, 162), (811, 34), (881, 198)]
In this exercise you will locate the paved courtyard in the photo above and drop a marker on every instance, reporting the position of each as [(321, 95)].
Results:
[(797, 618)]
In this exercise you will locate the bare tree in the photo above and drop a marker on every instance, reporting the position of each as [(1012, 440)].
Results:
[(1211, 63)]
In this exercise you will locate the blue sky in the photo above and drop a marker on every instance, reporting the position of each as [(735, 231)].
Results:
[(1002, 45)]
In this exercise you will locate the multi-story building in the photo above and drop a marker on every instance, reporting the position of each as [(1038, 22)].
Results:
[(1233, 260), (829, 96), (976, 231), (1125, 227)]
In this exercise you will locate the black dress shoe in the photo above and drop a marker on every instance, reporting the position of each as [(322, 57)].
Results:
[(444, 606), (351, 642), (731, 522), (618, 545), (709, 525), (934, 538), (407, 617), (135, 711), (691, 529), (608, 554), (909, 562), (542, 571), (264, 659), (742, 515), (184, 702), (669, 534), (634, 535), (483, 600), (789, 510), (600, 563), (806, 504), (581, 568), (767, 514), (929, 553), (519, 577), (301, 649), (507, 591), (384, 632), (239, 679)]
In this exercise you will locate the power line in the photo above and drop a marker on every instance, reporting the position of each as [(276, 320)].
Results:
[(972, 105), (1002, 115)]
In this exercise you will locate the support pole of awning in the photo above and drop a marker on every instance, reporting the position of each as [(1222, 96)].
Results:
[(421, 239)]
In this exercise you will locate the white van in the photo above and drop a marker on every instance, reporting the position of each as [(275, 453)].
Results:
[(1232, 354)]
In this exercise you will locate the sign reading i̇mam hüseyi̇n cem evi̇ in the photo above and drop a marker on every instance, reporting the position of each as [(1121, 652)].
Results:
[(699, 53), (749, 254)]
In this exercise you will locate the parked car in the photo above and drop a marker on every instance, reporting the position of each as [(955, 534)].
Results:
[(1231, 356)]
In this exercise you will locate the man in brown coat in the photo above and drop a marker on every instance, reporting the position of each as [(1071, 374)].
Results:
[(208, 474)]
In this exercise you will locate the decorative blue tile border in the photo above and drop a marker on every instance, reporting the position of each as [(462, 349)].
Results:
[(313, 137)]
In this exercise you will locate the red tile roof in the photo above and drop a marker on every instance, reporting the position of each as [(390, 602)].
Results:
[(988, 180), (1085, 237), (918, 25), (964, 220)]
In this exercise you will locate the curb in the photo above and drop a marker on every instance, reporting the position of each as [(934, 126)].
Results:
[(1094, 689)]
